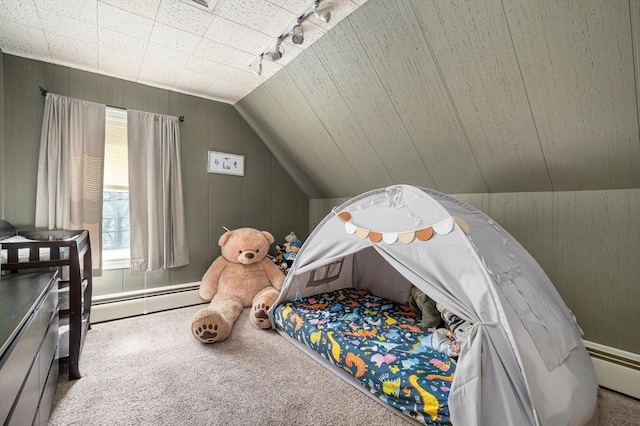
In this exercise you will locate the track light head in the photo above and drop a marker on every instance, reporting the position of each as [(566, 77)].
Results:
[(258, 68), (276, 53), (274, 56), (297, 35), (324, 15)]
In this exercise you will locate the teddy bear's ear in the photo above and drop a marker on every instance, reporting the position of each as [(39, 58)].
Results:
[(268, 236), (224, 237)]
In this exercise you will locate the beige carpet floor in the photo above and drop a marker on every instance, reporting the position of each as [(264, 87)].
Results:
[(149, 370)]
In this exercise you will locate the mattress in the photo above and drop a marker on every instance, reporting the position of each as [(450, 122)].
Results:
[(379, 343)]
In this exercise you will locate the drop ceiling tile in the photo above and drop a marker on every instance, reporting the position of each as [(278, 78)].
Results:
[(281, 21), (117, 41), (86, 11), (165, 55), (74, 53), (155, 73), (20, 12), (56, 24), (119, 63), (32, 51), (233, 85), (235, 35), (232, 75), (205, 67), (228, 92), (210, 50), (296, 6), (174, 38), (184, 17), (145, 8), (254, 14), (121, 21), (278, 3), (21, 33), (192, 82), (21, 40)]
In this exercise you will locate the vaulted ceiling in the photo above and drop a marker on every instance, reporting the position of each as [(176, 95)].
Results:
[(461, 96)]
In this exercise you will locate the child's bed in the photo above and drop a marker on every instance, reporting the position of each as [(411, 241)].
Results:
[(379, 343), (69, 251)]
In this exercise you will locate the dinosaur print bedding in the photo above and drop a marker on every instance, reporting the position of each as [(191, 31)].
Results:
[(377, 341)]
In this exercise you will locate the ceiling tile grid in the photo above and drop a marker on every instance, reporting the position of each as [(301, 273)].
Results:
[(170, 44)]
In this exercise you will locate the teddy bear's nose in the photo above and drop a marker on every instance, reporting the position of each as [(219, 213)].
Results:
[(249, 255)]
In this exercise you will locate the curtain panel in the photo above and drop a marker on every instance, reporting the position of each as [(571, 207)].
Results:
[(70, 169), (156, 207)]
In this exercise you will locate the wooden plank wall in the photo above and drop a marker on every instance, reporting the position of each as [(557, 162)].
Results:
[(265, 198)]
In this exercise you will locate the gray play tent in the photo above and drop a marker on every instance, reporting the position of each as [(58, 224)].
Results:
[(524, 363)]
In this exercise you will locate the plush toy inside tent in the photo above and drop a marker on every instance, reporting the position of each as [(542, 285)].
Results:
[(345, 302)]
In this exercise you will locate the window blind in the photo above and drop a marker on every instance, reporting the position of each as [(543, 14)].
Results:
[(116, 160)]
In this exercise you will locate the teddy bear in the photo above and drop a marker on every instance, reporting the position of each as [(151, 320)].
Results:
[(241, 277)]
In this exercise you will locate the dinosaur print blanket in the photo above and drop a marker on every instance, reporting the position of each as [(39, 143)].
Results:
[(380, 343)]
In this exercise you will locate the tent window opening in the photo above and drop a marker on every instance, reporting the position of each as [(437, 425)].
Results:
[(326, 273), (115, 191)]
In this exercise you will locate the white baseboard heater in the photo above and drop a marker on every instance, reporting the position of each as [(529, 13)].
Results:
[(616, 369), (141, 302)]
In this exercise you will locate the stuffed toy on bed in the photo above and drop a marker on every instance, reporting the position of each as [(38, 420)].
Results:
[(241, 277), (420, 302)]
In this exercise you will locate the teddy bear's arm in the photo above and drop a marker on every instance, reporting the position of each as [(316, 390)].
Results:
[(209, 283), (276, 277)]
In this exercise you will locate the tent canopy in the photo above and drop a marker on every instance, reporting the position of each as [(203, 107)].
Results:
[(525, 352)]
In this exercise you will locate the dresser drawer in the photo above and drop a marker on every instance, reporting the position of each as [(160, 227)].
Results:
[(29, 341), (18, 364), (48, 392), (48, 349), (49, 307)]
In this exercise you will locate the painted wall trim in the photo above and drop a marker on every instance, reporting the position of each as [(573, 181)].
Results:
[(615, 369)]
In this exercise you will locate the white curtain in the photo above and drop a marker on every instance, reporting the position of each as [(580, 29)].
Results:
[(158, 230), (69, 186)]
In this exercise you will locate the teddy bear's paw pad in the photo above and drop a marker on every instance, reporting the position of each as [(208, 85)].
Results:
[(206, 333), (259, 315)]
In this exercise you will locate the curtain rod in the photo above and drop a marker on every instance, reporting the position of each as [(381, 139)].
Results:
[(44, 91)]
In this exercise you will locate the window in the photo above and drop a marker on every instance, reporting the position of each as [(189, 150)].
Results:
[(326, 274), (115, 191)]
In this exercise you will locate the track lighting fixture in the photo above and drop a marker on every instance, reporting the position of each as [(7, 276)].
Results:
[(324, 15), (297, 36), (293, 30)]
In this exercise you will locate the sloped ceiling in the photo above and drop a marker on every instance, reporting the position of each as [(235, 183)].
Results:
[(462, 97)]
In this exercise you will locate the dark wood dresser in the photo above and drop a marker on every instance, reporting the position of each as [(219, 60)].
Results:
[(28, 345)]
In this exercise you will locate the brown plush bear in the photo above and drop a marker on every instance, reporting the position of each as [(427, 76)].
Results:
[(243, 276)]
